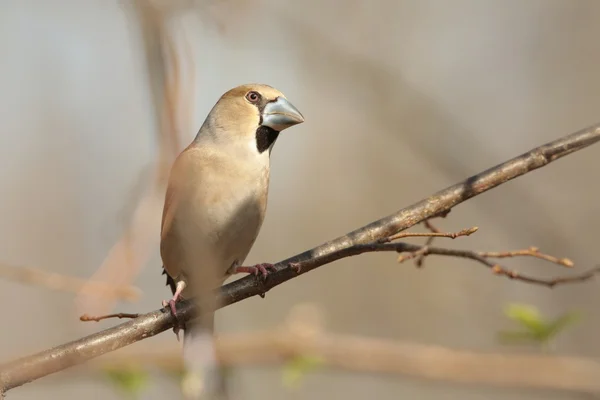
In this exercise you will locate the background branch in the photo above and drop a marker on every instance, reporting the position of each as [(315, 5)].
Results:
[(168, 66), (371, 355), (24, 370)]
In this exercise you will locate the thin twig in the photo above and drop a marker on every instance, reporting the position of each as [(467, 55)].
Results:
[(419, 254), (421, 259), (497, 269), (560, 280), (531, 252), (414, 250), (21, 371), (429, 225), (89, 318), (450, 235)]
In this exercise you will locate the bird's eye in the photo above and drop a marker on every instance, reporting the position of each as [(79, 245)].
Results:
[(253, 97)]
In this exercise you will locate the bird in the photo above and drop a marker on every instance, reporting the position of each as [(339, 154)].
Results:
[(216, 200)]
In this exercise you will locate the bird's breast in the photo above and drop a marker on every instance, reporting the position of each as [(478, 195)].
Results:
[(230, 211)]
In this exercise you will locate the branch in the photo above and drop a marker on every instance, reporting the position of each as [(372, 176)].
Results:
[(370, 355), (482, 257), (531, 252), (24, 370), (451, 235), (421, 251), (88, 318)]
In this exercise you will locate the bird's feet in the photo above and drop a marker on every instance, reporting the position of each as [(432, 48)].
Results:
[(171, 304), (262, 268)]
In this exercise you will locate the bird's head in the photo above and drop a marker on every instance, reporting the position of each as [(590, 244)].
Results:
[(250, 115)]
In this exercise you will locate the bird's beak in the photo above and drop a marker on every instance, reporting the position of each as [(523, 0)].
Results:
[(281, 114)]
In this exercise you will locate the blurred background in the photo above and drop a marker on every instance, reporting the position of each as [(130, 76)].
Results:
[(401, 99)]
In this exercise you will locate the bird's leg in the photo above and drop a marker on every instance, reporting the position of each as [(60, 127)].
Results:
[(261, 268), (171, 303)]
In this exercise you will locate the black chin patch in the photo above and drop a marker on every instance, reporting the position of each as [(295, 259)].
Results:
[(265, 137)]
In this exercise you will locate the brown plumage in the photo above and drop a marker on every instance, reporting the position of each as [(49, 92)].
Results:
[(216, 201)]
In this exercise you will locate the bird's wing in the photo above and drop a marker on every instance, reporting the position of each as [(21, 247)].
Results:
[(185, 247), (170, 232)]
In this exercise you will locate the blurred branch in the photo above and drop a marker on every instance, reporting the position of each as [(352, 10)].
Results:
[(172, 106), (159, 51), (50, 280), (27, 369), (378, 356)]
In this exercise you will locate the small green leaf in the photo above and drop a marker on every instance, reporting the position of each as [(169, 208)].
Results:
[(562, 322), (298, 367), (130, 380), (526, 315), (539, 330)]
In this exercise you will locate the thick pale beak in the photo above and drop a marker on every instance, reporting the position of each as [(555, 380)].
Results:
[(281, 114)]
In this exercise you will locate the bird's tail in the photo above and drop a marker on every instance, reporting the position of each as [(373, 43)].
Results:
[(203, 377)]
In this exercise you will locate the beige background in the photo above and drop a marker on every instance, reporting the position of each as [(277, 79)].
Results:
[(401, 98)]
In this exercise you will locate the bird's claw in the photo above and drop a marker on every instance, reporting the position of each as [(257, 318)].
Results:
[(262, 268), (171, 304)]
